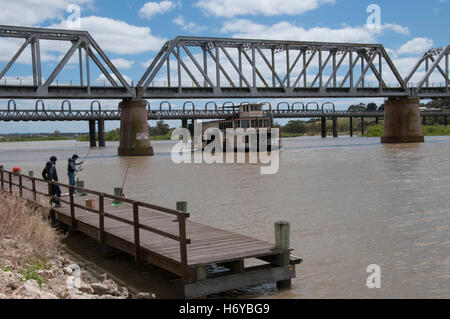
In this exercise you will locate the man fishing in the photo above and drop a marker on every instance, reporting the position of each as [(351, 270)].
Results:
[(49, 173), (72, 169)]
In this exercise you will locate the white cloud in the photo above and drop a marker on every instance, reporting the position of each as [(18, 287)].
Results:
[(188, 26), (153, 8), (103, 80), (122, 63), (415, 46), (232, 8), (118, 36), (243, 28), (32, 12)]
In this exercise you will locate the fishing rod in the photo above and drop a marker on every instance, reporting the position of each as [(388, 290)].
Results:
[(81, 167), (125, 177)]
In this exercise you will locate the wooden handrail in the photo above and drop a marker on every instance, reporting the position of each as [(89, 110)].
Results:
[(137, 226)]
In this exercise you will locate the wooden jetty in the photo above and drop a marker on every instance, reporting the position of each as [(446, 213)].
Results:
[(165, 237)]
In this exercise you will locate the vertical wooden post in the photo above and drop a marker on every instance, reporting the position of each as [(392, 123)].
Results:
[(20, 186), (1, 175), (282, 241), (33, 187), (136, 231), (10, 182), (182, 206), (101, 221), (50, 191), (72, 208)]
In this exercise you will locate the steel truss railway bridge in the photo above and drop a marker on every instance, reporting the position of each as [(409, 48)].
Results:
[(221, 68)]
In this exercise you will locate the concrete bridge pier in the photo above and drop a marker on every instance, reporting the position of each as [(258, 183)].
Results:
[(101, 133), (92, 140), (323, 124), (134, 131), (335, 127), (402, 121)]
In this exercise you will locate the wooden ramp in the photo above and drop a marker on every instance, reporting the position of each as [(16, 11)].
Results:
[(163, 237)]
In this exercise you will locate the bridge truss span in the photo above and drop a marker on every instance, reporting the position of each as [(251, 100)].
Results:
[(218, 67), (47, 86)]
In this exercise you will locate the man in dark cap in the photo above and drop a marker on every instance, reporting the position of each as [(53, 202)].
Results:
[(49, 173), (72, 169)]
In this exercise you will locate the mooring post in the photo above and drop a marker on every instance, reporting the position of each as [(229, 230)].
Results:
[(33, 187), (31, 173), (201, 271), (282, 241), (79, 184)]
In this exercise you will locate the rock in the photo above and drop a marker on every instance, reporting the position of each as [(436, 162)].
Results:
[(100, 289), (84, 287), (31, 290), (12, 285), (86, 276), (144, 295), (46, 274)]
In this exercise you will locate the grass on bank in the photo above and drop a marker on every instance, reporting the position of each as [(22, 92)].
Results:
[(428, 130), (27, 226), (33, 139)]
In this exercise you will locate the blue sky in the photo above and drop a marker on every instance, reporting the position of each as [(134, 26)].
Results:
[(131, 32)]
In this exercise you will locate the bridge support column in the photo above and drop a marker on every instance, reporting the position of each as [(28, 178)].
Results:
[(402, 121), (101, 133), (350, 125), (424, 120), (335, 127), (323, 124), (445, 120), (363, 127), (376, 120), (134, 131), (92, 140), (184, 123)]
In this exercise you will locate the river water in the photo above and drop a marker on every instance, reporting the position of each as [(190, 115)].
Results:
[(351, 202)]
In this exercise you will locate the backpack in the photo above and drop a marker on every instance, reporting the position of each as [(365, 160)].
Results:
[(46, 171)]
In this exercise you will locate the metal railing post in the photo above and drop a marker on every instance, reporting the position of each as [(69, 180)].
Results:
[(1, 177)]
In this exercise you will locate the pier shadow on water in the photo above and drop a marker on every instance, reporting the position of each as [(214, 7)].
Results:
[(140, 277)]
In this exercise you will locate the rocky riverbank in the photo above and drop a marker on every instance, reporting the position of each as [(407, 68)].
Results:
[(33, 266)]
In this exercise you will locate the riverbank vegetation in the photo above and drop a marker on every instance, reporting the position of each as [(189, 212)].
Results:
[(428, 130), (32, 262)]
